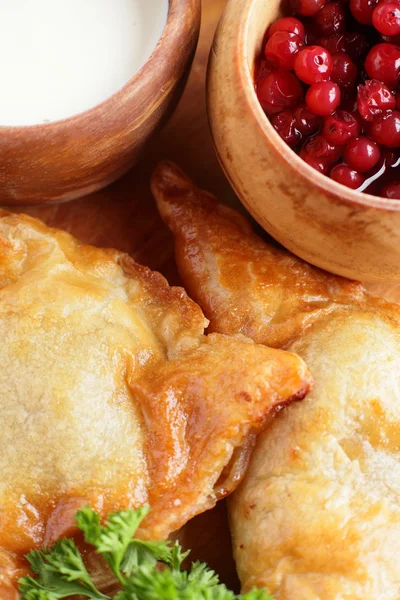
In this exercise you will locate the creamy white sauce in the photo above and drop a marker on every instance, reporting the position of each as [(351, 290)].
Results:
[(61, 57)]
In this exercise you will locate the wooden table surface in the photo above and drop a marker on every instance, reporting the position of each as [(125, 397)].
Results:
[(124, 216)]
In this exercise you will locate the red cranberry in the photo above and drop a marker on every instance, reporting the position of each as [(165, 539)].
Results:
[(362, 154), (374, 99), (306, 121), (333, 44), (281, 49), (319, 149), (396, 2), (315, 163), (323, 98), (390, 158), (383, 63), (289, 24), (386, 19), (262, 69), (307, 8), (313, 64), (285, 124), (279, 90), (362, 10), (346, 176), (391, 190), (340, 127), (330, 19), (398, 101), (386, 130), (344, 71), (355, 44)]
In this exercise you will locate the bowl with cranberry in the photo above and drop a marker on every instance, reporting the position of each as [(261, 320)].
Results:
[(304, 107)]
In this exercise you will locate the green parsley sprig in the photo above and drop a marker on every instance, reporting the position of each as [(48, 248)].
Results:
[(60, 572)]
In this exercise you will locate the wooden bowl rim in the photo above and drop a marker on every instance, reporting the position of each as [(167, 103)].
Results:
[(329, 186), (166, 46)]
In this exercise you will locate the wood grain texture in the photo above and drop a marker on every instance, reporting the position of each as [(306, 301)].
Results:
[(352, 234), (67, 159), (124, 216)]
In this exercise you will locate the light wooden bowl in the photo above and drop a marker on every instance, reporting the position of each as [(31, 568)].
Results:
[(335, 228), (66, 159)]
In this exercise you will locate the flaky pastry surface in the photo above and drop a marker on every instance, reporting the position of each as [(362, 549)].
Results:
[(318, 514), (110, 394)]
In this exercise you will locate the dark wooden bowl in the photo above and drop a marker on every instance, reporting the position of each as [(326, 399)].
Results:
[(63, 160), (333, 227)]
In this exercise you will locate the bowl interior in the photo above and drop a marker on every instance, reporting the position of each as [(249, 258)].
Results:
[(142, 77)]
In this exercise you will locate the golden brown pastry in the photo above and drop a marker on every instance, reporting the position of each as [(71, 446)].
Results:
[(110, 394), (318, 513)]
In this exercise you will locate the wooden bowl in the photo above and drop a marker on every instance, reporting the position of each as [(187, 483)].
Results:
[(349, 233), (66, 159)]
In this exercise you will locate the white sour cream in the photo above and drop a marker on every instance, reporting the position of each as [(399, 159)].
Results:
[(59, 58)]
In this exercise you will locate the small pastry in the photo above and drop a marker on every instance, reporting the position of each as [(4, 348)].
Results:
[(318, 514)]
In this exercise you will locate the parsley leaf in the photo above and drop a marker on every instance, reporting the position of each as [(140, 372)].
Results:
[(145, 570), (112, 539), (141, 553), (61, 573)]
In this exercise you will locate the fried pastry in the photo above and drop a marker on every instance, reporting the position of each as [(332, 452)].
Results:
[(318, 514), (111, 394)]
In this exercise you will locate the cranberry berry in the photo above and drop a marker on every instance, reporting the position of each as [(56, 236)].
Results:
[(316, 163), (285, 124), (346, 176), (330, 20), (392, 190), (340, 127), (386, 130), (362, 154), (282, 48), (323, 98), (307, 8), (355, 44), (391, 158), (344, 71), (306, 121), (374, 99), (279, 90), (386, 19), (289, 24), (313, 64), (383, 63), (362, 10), (263, 68), (318, 150), (333, 44)]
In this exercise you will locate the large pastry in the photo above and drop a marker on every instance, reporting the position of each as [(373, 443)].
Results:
[(111, 394), (318, 514)]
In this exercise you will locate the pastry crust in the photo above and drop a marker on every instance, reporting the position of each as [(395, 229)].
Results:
[(317, 515), (110, 394)]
